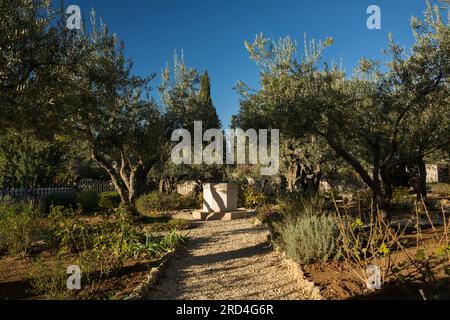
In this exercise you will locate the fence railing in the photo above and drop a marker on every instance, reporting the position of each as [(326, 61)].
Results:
[(97, 185), (37, 193)]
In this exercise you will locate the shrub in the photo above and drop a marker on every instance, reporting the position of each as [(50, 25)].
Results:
[(109, 200), (441, 188), (254, 198), (18, 227), (310, 239), (50, 282), (88, 200), (66, 199), (164, 202), (297, 204), (156, 246)]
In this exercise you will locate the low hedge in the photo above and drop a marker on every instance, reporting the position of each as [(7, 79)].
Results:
[(109, 200), (156, 201)]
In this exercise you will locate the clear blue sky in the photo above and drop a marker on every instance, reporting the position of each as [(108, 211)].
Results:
[(212, 33)]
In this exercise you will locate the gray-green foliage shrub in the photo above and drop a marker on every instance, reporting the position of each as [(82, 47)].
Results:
[(19, 227), (156, 201), (88, 200), (109, 200), (307, 232), (310, 238)]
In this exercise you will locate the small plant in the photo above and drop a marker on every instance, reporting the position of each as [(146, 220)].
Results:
[(19, 227), (88, 200), (368, 243), (49, 282), (310, 238), (427, 263), (254, 198), (156, 246), (109, 200)]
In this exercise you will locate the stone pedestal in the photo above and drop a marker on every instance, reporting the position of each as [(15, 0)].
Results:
[(220, 203)]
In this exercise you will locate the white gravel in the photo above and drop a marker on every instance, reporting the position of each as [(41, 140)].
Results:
[(226, 260)]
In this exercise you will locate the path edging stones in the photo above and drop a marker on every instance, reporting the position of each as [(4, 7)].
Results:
[(143, 289), (308, 288)]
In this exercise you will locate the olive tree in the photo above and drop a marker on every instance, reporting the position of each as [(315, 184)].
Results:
[(369, 119), (112, 111)]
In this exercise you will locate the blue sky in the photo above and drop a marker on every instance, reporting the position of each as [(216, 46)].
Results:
[(212, 33)]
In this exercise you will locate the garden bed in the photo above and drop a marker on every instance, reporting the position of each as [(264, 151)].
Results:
[(113, 252), (15, 283), (338, 281), (337, 244)]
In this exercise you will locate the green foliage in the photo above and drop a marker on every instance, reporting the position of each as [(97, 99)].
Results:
[(26, 160), (307, 232), (164, 202), (88, 200), (49, 282), (156, 246), (299, 204), (98, 249), (104, 246), (370, 118), (310, 238), (20, 225), (65, 199), (168, 224), (403, 200), (253, 198), (109, 200)]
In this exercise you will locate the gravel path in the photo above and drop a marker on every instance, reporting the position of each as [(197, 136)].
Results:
[(226, 260)]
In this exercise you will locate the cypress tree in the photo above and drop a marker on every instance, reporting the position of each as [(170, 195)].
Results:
[(207, 112)]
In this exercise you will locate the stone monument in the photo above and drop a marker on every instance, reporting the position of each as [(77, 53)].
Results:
[(220, 203)]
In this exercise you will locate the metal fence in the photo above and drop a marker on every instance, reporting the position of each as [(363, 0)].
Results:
[(38, 193), (34, 192), (97, 185)]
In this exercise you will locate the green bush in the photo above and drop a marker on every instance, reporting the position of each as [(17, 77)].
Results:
[(88, 200), (156, 201), (403, 200), (19, 227), (109, 200), (66, 199), (254, 198), (307, 232), (297, 204), (50, 282), (310, 239)]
